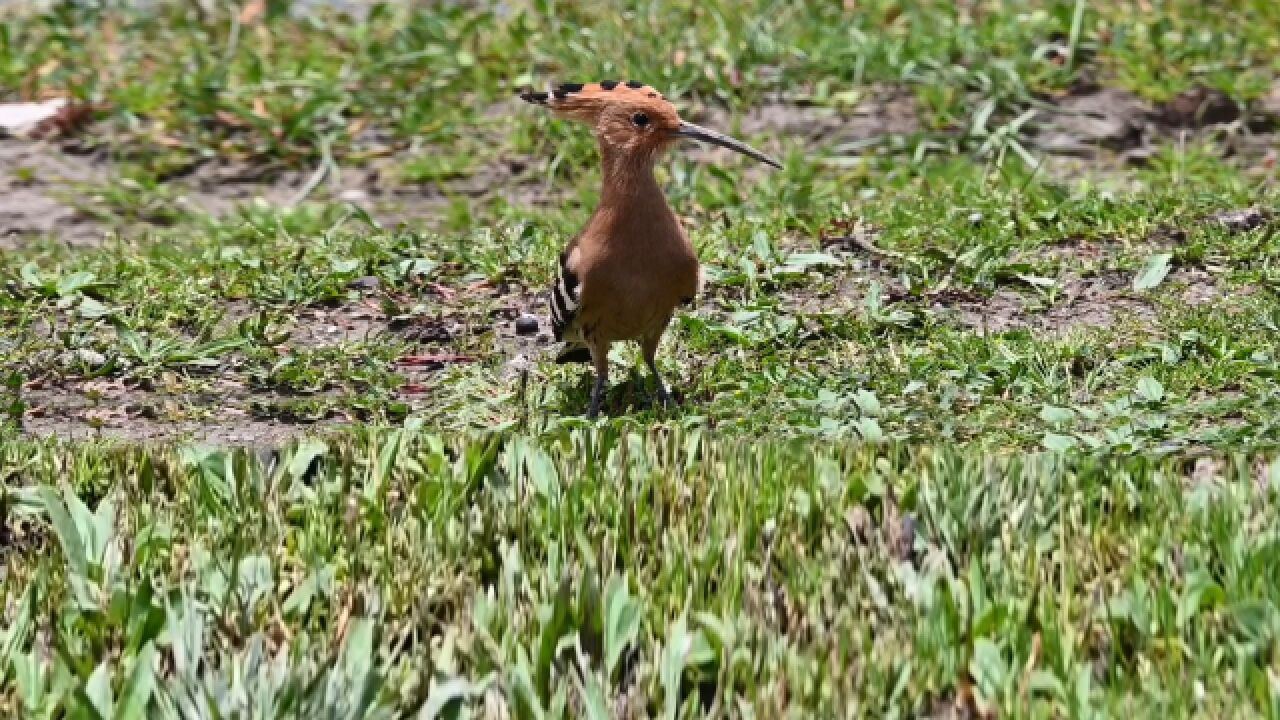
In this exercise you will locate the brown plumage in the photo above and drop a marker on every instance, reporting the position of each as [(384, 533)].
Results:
[(622, 277)]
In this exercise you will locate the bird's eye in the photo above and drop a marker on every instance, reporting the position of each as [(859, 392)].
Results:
[(640, 120)]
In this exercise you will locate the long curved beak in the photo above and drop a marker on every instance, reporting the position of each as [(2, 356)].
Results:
[(701, 134)]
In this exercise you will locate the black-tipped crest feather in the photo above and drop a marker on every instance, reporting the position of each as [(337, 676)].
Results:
[(537, 98)]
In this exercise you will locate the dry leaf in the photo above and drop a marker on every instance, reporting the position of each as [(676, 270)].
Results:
[(21, 119), (252, 10), (229, 119)]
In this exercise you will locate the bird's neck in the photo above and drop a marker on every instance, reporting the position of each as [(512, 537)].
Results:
[(628, 181)]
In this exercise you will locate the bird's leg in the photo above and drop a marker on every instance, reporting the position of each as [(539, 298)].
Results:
[(663, 396), (650, 348), (600, 359)]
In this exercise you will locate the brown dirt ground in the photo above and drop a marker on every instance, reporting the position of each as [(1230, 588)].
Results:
[(34, 183), (1100, 132), (102, 409)]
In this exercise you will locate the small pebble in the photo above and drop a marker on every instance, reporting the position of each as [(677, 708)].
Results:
[(975, 218), (526, 324), (908, 536), (84, 356), (1241, 220), (366, 283)]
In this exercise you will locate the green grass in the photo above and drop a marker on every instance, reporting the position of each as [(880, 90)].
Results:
[(185, 85), (662, 570), (1013, 447), (793, 338)]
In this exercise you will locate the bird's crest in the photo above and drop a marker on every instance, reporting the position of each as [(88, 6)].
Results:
[(585, 101), (632, 119)]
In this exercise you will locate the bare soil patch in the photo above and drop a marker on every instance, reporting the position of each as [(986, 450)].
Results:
[(885, 111), (1095, 302), (35, 179), (45, 192), (1106, 118), (1080, 125), (108, 410), (323, 327), (1102, 132), (242, 431)]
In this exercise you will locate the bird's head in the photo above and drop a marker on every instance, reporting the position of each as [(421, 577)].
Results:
[(632, 118)]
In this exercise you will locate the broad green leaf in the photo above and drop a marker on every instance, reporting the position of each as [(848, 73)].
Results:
[(988, 667), (91, 309), (675, 655), (762, 244), (254, 579), (387, 457), (104, 525), (1150, 389), (701, 653), (554, 618), (721, 633), (446, 699), (137, 690), (15, 636), (868, 403), (1036, 280), (359, 665), (541, 470), (524, 697), (305, 452), (299, 601), (592, 695), (186, 630), (1257, 620), (74, 282), (416, 267), (801, 263), (28, 677), (1057, 443), (622, 621), (1046, 682), (31, 275), (1055, 415), (1153, 272), (1200, 591), (869, 429), (98, 690), (68, 537)]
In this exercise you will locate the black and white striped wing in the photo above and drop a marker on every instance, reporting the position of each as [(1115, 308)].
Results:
[(564, 297)]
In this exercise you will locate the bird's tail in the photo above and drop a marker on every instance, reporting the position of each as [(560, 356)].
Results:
[(573, 353)]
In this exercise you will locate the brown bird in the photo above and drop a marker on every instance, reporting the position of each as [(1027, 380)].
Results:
[(622, 277)]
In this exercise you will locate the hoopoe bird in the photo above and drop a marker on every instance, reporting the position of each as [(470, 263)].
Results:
[(623, 275)]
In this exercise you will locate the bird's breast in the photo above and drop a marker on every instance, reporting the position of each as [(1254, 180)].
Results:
[(631, 289)]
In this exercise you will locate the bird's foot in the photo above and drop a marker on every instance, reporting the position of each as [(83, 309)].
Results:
[(665, 398), (597, 396)]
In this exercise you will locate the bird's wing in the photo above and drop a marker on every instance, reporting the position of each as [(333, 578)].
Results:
[(564, 291), (564, 308)]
